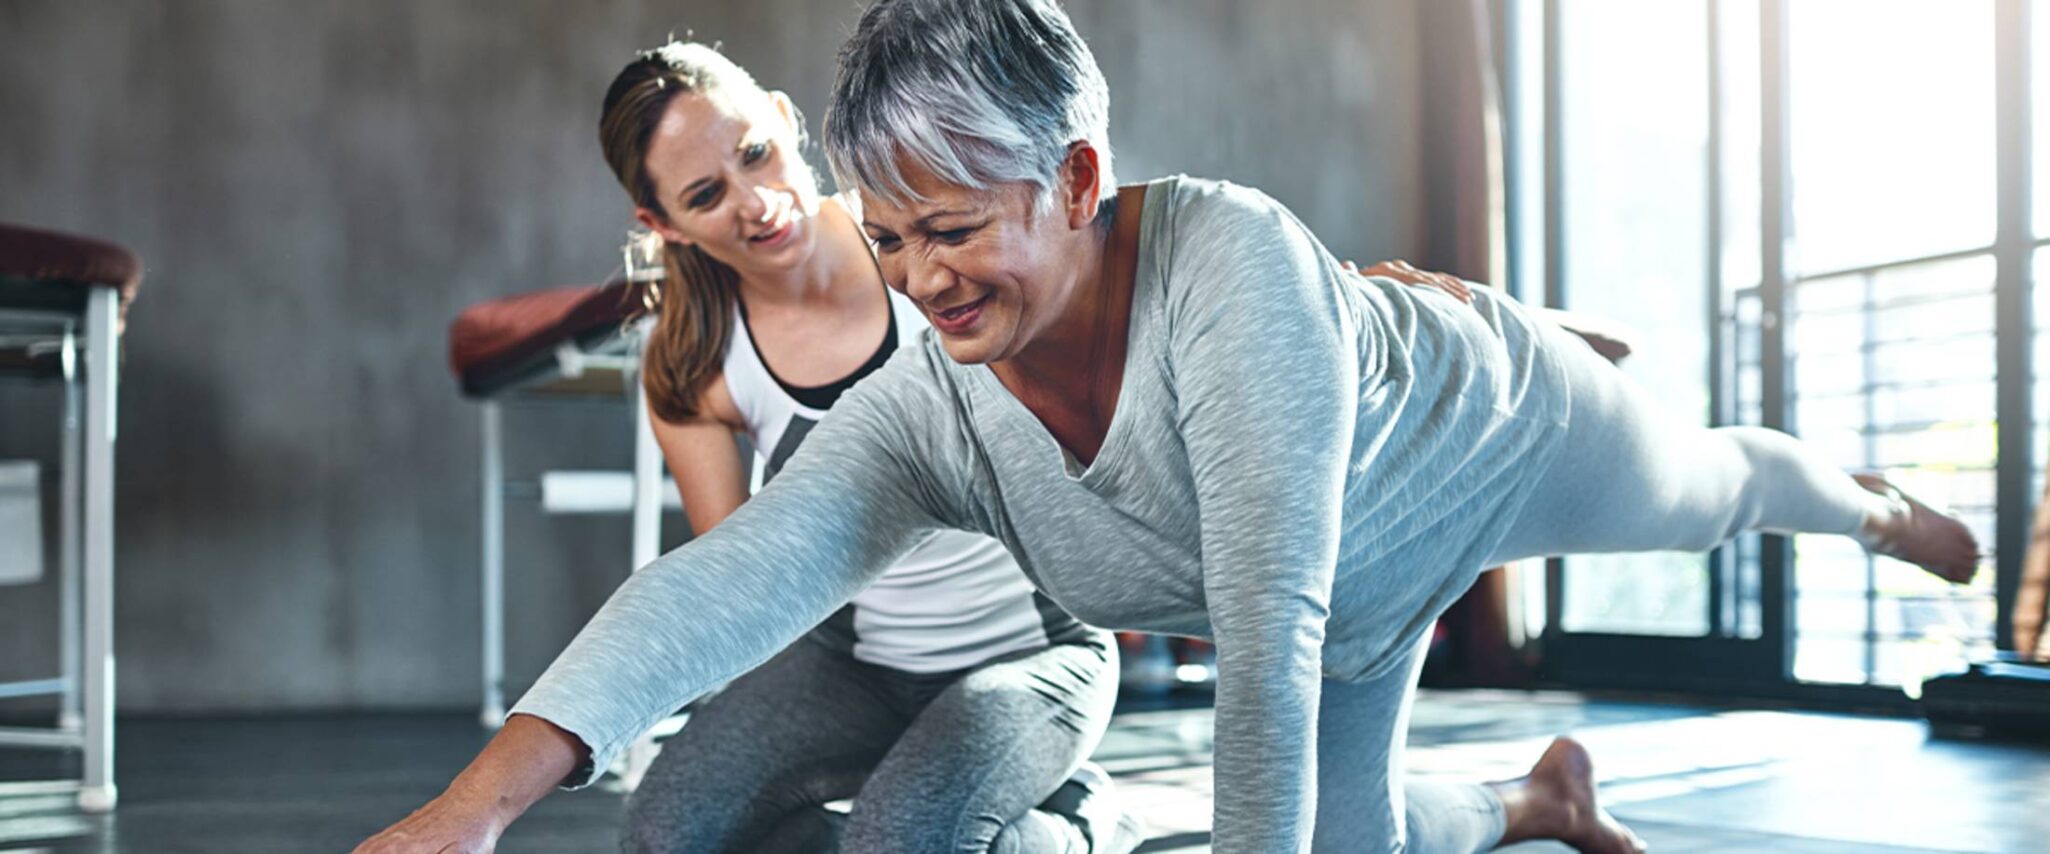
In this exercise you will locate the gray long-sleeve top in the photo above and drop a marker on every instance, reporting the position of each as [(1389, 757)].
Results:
[(1304, 465)]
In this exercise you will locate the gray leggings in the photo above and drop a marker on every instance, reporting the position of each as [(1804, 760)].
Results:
[(1632, 477), (934, 762), (1629, 477)]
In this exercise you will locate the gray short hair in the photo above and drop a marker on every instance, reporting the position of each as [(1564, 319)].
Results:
[(978, 92)]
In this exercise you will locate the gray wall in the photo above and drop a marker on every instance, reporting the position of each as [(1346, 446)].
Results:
[(317, 189)]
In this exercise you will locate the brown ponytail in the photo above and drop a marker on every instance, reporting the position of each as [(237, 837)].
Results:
[(694, 303), (693, 325)]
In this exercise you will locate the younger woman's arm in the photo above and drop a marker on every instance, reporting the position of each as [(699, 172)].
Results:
[(710, 474)]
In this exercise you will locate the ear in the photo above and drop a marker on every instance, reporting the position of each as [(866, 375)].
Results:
[(787, 109), (1078, 192), (657, 224)]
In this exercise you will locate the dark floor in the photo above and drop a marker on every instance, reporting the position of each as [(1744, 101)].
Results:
[(1688, 780)]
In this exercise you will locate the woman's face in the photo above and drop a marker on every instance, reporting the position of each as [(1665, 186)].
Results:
[(991, 272), (731, 182)]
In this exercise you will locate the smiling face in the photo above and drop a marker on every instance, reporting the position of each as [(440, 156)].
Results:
[(730, 181), (993, 271)]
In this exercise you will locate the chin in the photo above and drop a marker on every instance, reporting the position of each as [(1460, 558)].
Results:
[(967, 351), (794, 254), (985, 342)]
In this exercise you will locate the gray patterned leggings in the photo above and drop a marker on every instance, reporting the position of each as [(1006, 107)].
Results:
[(950, 761)]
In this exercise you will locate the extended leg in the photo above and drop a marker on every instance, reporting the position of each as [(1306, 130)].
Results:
[(1631, 477)]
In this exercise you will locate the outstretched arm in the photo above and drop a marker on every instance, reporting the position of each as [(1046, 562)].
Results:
[(843, 508)]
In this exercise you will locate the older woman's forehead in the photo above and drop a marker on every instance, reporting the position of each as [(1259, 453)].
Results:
[(935, 196)]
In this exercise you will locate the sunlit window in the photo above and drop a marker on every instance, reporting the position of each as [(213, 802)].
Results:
[(1892, 148), (1635, 139), (1886, 309)]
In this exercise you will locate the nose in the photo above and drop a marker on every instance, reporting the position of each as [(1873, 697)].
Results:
[(925, 278), (758, 203)]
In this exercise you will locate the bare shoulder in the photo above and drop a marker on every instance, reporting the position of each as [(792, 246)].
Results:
[(716, 403), (715, 408)]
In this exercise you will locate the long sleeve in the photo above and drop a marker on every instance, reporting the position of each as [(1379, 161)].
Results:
[(844, 507), (1266, 367)]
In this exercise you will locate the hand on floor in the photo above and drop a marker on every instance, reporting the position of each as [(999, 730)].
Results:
[(446, 825)]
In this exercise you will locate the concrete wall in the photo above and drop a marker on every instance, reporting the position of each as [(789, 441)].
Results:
[(317, 189)]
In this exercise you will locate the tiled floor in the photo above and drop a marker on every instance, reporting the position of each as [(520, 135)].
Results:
[(1687, 780)]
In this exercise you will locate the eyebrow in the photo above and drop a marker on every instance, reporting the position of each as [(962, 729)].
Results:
[(924, 223)]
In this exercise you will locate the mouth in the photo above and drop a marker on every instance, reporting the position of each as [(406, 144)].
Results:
[(776, 236), (961, 318)]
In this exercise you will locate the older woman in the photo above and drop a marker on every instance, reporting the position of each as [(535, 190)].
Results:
[(1180, 414)]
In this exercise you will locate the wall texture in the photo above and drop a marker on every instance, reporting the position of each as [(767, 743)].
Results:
[(317, 189)]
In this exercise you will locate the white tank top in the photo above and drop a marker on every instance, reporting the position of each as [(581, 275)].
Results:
[(954, 601)]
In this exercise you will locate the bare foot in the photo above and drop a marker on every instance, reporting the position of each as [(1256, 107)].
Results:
[(1916, 533), (1556, 801)]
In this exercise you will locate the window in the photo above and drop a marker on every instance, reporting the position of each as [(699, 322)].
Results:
[(1882, 192)]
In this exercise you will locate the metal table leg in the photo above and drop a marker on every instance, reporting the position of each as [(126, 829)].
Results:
[(102, 381), (70, 560), (647, 507), (492, 715), (647, 543)]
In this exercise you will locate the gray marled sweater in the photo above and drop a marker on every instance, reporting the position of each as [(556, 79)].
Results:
[(1304, 465)]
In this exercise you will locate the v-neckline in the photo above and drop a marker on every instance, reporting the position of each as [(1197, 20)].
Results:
[(1107, 452)]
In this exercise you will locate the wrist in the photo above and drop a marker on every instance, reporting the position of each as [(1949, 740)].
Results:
[(477, 804), (525, 761)]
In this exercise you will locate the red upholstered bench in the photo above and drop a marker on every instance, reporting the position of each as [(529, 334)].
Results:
[(62, 301), (497, 345), (47, 272), (571, 341)]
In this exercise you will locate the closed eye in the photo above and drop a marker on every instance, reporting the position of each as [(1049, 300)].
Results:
[(953, 236)]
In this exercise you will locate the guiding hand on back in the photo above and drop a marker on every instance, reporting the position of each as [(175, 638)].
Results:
[(1403, 272)]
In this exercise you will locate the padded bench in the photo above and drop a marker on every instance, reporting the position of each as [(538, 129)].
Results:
[(570, 341), (63, 300), (520, 340)]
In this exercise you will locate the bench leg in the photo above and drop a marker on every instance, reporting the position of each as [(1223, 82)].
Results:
[(495, 572), (102, 383), (647, 545), (647, 504), (71, 542), (492, 715)]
